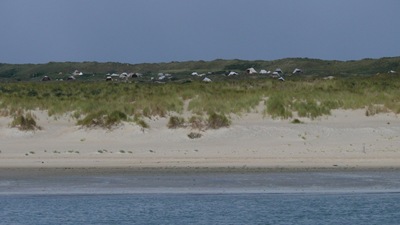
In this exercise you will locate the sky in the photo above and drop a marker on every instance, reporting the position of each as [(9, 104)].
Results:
[(152, 31)]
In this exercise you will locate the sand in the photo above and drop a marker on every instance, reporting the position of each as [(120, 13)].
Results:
[(346, 139)]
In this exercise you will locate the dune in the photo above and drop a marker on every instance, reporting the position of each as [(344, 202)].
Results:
[(345, 139)]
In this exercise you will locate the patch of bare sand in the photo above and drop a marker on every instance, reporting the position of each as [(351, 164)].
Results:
[(346, 139)]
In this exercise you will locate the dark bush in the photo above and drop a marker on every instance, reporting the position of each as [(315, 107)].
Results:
[(176, 122)]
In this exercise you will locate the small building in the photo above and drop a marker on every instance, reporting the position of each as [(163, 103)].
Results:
[(206, 79), (232, 73), (264, 72), (135, 75), (275, 74), (251, 71), (46, 78), (123, 76), (297, 71), (77, 73), (279, 71), (71, 78)]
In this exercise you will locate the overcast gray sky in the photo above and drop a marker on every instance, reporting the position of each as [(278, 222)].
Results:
[(137, 31)]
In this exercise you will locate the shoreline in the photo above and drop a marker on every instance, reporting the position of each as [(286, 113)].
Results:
[(100, 181), (108, 171)]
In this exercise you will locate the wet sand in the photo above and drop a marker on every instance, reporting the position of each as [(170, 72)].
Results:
[(128, 181)]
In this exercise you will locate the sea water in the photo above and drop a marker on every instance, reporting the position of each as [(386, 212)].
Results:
[(211, 198), (359, 208)]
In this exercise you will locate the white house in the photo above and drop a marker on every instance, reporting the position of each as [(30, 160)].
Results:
[(71, 78), (123, 75), (206, 79), (279, 71), (77, 73), (297, 70), (275, 74), (232, 73), (251, 71), (264, 72)]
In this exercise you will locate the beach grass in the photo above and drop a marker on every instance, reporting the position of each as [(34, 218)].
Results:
[(25, 121), (106, 104)]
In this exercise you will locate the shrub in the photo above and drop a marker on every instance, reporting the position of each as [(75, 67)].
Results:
[(296, 121), (216, 121), (193, 135), (176, 122), (25, 122)]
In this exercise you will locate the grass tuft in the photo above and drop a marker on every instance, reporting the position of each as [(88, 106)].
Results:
[(176, 122), (278, 107), (25, 122), (103, 119)]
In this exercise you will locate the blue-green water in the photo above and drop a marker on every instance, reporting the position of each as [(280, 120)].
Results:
[(123, 197), (358, 208)]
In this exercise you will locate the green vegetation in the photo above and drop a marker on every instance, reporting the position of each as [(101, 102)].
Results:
[(93, 71), (103, 119), (176, 122), (106, 104), (25, 122), (197, 122), (216, 121)]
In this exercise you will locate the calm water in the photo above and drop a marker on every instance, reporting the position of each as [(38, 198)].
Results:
[(202, 198), (360, 208)]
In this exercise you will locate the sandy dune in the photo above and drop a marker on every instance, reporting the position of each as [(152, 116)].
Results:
[(346, 139)]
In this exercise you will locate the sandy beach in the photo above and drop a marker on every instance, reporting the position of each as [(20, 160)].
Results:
[(346, 139)]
